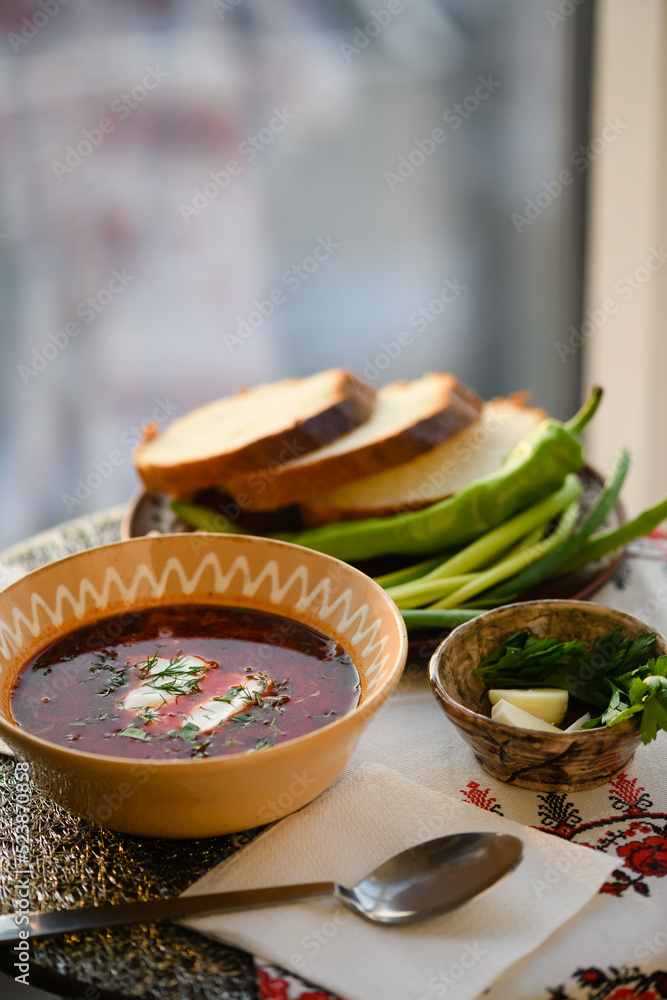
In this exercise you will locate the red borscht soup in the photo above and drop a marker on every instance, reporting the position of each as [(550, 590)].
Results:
[(185, 681)]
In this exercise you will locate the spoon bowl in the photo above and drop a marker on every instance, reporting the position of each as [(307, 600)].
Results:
[(434, 877), (424, 881)]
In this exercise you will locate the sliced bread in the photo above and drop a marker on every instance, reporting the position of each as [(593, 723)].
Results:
[(255, 427), (409, 418), (476, 451)]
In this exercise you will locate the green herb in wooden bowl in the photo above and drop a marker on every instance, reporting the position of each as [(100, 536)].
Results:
[(608, 662), (625, 680)]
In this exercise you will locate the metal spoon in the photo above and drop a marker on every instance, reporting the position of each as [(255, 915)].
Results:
[(424, 881)]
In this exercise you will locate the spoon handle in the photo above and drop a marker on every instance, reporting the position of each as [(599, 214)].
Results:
[(13, 926)]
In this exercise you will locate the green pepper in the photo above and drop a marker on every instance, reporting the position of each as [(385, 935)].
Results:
[(536, 467), (203, 518)]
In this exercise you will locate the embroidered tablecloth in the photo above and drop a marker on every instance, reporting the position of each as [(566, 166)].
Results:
[(617, 949)]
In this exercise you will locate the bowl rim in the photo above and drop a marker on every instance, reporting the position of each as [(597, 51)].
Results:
[(447, 701), (8, 727)]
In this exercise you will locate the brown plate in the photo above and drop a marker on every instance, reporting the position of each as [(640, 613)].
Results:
[(149, 512)]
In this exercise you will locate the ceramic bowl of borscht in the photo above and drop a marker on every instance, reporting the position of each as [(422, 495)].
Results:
[(191, 685)]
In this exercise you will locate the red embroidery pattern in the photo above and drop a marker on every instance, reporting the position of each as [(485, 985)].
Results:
[(274, 985), (481, 797), (271, 989), (626, 797), (638, 836), (648, 856), (616, 984)]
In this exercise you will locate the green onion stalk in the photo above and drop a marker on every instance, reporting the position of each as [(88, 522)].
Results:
[(515, 562), (451, 578), (420, 619), (552, 562)]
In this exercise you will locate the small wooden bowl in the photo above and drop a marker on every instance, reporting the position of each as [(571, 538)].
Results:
[(525, 757)]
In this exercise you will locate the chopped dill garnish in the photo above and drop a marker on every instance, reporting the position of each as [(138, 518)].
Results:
[(265, 741), (231, 694), (201, 748), (105, 660), (177, 678), (147, 715)]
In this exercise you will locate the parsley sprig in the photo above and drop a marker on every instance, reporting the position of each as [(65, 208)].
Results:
[(135, 733), (187, 732), (641, 690)]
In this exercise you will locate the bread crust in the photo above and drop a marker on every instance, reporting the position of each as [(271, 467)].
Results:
[(292, 482), (320, 511), (353, 402)]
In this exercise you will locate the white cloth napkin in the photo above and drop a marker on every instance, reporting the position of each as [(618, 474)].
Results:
[(368, 815)]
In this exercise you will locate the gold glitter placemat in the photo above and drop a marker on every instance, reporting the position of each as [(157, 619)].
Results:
[(70, 862)]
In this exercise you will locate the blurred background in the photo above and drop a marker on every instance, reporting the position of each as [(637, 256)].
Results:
[(168, 164)]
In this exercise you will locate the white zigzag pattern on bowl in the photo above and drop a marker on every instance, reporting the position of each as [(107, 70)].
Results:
[(366, 628)]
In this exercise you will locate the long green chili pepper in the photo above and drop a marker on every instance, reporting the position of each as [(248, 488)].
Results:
[(536, 467), (203, 518), (583, 416)]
